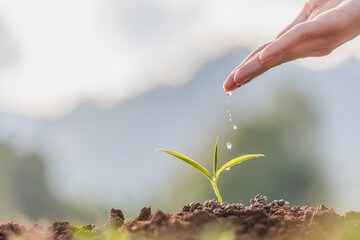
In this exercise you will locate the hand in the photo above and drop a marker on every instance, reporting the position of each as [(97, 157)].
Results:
[(321, 26)]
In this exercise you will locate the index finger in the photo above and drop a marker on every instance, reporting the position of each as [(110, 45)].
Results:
[(229, 84)]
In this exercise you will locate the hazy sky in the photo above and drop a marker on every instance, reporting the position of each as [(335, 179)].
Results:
[(54, 54)]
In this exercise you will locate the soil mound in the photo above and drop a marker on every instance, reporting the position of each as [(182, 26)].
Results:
[(208, 220)]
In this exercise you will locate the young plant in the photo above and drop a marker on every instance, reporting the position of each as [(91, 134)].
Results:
[(214, 179)]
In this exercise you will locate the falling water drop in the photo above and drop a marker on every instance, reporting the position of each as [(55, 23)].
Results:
[(228, 145), (229, 114)]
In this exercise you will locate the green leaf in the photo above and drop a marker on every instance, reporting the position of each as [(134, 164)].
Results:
[(215, 156), (237, 161), (189, 161)]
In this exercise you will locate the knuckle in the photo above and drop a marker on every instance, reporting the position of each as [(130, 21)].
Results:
[(333, 44), (328, 51), (314, 4), (299, 31), (325, 52)]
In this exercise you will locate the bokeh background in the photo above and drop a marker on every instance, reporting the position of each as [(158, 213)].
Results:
[(89, 90)]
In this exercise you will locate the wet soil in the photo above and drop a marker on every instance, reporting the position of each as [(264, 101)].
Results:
[(260, 220)]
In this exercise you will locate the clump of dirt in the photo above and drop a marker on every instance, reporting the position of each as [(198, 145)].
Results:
[(260, 220), (117, 218)]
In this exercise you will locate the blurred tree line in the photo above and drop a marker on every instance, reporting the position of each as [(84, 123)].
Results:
[(291, 169), (24, 190)]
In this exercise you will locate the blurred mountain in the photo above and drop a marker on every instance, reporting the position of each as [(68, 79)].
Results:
[(94, 147), (107, 154)]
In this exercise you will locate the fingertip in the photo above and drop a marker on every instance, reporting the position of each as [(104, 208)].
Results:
[(229, 84), (240, 77), (266, 55)]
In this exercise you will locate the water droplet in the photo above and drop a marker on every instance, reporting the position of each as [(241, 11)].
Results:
[(227, 101), (230, 119), (229, 114), (228, 145), (214, 178), (227, 169), (235, 127), (229, 93), (227, 111)]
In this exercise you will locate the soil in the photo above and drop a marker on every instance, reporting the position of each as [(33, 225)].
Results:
[(260, 220)]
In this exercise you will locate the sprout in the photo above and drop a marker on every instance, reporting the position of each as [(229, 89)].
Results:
[(213, 179)]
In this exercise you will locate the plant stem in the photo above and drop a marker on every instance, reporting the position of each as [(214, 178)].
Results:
[(214, 185)]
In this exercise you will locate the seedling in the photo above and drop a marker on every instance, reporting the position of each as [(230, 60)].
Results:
[(214, 179)]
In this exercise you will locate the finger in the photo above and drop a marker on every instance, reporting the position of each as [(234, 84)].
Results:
[(253, 53), (260, 71), (249, 69), (277, 62), (304, 47), (255, 68), (312, 53), (229, 84), (292, 37)]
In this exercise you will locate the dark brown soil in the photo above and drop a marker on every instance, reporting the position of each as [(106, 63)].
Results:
[(260, 220)]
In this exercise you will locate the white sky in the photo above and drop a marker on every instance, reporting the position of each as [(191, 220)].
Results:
[(53, 54)]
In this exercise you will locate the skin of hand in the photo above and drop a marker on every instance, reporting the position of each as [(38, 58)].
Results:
[(321, 26)]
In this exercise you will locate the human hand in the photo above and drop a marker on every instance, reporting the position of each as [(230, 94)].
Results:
[(321, 26)]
